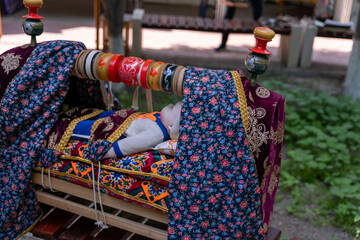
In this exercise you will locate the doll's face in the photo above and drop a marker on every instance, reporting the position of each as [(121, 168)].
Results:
[(170, 117)]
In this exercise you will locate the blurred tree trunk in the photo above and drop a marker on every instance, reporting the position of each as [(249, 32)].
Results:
[(352, 82), (114, 11)]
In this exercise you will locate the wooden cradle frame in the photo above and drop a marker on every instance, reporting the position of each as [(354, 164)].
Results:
[(112, 219), (76, 190)]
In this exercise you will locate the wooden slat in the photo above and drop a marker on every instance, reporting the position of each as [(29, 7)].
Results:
[(53, 224), (112, 220), (154, 20), (209, 24), (86, 193), (190, 22), (199, 23), (247, 26), (164, 21), (227, 25), (181, 22), (218, 25), (146, 19), (235, 25), (172, 21), (82, 229)]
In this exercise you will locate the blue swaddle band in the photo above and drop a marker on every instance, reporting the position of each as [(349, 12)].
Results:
[(82, 130), (117, 150), (162, 127)]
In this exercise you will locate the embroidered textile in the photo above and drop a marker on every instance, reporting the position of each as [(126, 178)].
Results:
[(11, 62), (141, 178), (214, 190), (266, 133)]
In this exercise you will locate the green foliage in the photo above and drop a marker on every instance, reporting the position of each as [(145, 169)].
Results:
[(322, 138)]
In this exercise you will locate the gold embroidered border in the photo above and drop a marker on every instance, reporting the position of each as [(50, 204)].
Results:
[(32, 225), (243, 106), (80, 159), (241, 98), (69, 130), (122, 128), (109, 189), (95, 125)]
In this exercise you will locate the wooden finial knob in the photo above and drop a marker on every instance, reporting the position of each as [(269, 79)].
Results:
[(33, 6), (33, 3), (33, 25), (264, 33), (258, 60)]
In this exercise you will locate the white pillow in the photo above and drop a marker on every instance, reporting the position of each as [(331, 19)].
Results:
[(167, 147)]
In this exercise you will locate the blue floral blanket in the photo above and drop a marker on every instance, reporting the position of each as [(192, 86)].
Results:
[(214, 191), (28, 110)]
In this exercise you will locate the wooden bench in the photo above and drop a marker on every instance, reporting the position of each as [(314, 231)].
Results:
[(204, 24)]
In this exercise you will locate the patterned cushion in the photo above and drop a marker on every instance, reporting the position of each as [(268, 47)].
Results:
[(167, 147), (142, 177)]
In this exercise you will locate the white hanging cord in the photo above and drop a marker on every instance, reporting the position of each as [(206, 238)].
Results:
[(104, 94), (50, 180), (135, 100), (149, 100), (42, 178), (111, 97), (99, 194), (94, 194)]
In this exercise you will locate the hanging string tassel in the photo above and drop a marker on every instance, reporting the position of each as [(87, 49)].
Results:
[(111, 97), (42, 178), (50, 180), (135, 100), (103, 225), (98, 223)]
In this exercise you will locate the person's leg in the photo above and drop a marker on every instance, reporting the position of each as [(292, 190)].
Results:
[(257, 7), (230, 12)]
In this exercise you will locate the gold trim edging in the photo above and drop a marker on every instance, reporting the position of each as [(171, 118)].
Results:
[(32, 225), (243, 106), (122, 128), (69, 130)]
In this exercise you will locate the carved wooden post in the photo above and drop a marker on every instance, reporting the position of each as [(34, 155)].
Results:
[(32, 25), (257, 61)]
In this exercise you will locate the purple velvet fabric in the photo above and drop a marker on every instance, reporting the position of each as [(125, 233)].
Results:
[(59, 128), (265, 134), (11, 62), (109, 125)]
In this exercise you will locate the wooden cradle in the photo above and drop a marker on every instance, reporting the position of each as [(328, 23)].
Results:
[(157, 230), (154, 231)]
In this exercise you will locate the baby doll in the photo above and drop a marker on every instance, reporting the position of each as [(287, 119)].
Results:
[(145, 131)]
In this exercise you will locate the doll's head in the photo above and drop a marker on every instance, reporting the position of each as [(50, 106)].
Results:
[(170, 118)]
